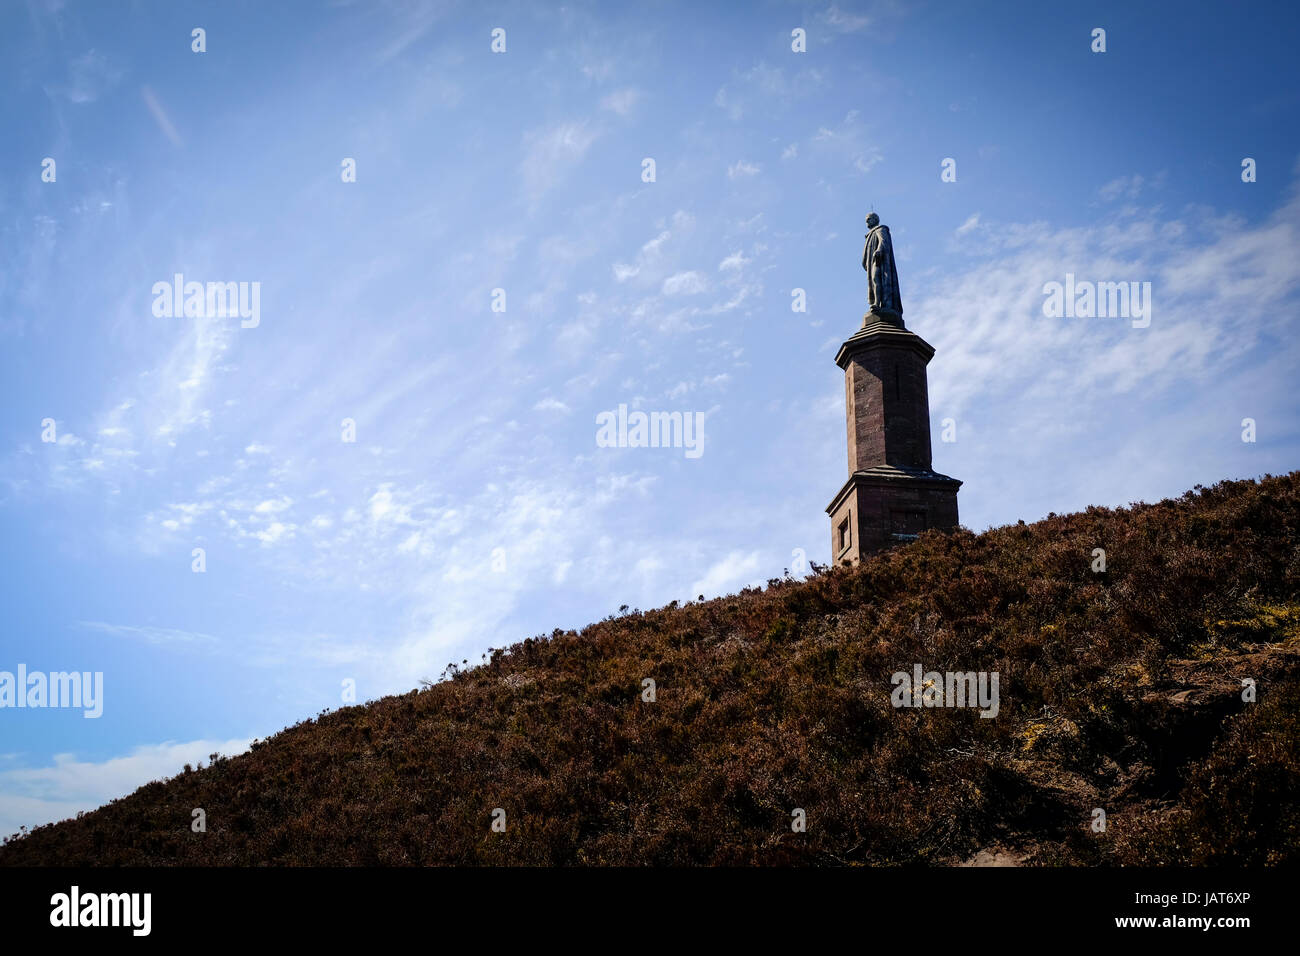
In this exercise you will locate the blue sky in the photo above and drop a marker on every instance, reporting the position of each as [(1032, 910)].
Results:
[(376, 560)]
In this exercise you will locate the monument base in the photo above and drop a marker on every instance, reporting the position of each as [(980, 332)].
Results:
[(878, 316), (886, 505)]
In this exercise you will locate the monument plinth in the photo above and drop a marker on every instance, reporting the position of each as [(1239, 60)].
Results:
[(892, 493)]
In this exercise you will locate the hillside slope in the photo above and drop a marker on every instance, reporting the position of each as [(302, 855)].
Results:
[(1118, 690)]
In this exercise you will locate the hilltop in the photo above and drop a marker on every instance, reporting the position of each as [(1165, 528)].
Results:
[(1119, 690)]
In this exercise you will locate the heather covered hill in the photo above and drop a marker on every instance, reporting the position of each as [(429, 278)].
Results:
[(1119, 690)]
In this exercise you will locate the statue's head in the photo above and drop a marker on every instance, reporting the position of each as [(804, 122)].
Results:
[(872, 220)]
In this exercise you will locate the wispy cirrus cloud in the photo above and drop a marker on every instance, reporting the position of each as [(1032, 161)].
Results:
[(621, 101), (763, 86), (90, 76), (850, 142), (160, 116), (551, 153), (844, 21), (149, 634)]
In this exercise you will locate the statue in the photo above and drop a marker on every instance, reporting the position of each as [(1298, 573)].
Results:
[(878, 260)]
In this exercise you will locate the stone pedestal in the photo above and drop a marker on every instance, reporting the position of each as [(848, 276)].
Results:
[(892, 493)]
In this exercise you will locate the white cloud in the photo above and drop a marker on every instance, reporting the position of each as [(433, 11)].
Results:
[(849, 141), (844, 22), (151, 635), (551, 153), (685, 283), (273, 532), (416, 20), (1128, 187), (733, 572), (384, 508), (31, 796), (653, 246), (89, 77), (1217, 291), (733, 262), (620, 101), (765, 87), (160, 116), (650, 254)]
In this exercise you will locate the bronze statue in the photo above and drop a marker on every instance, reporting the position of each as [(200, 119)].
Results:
[(878, 260)]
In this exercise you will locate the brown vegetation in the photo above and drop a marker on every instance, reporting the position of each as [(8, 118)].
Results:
[(1120, 690)]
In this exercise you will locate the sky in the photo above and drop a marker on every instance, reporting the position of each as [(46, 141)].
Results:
[(503, 268)]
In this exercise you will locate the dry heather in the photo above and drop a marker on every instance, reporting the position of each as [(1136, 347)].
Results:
[(1120, 691)]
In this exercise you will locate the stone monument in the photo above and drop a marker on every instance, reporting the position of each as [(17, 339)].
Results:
[(893, 493)]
